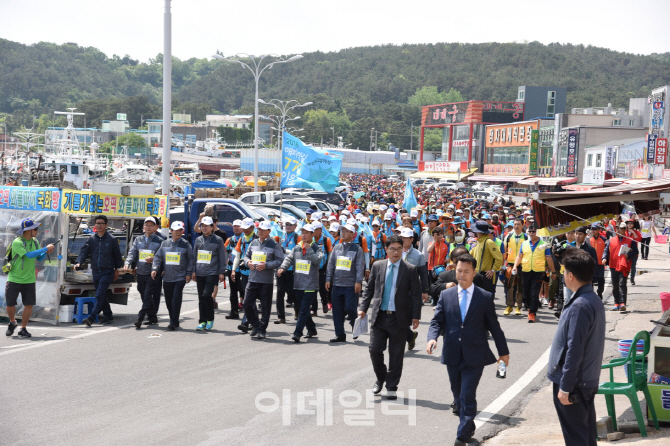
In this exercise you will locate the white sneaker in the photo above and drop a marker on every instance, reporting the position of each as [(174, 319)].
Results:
[(545, 301)]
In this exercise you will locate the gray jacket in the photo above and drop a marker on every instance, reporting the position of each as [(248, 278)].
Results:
[(414, 257), (210, 256), (341, 276), (165, 260), (578, 345), (140, 248), (274, 255), (302, 281), (425, 239)]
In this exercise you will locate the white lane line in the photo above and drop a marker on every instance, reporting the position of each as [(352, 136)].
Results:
[(508, 395), (38, 344)]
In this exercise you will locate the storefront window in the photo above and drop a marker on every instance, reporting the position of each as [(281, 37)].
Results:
[(508, 155)]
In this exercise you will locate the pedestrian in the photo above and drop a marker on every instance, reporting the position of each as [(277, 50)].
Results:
[(598, 242), (344, 279), (248, 236), (106, 259), (514, 286), (635, 234), (412, 256), (174, 261), (534, 256), (142, 254), (326, 247), (22, 254), (466, 313), (488, 255), (646, 228), (577, 352), (234, 274), (394, 295), (285, 281), (211, 260), (618, 254), (263, 257), (305, 258)]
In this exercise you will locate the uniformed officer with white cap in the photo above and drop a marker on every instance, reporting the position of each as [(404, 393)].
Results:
[(210, 266)]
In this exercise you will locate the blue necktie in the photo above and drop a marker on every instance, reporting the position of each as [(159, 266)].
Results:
[(464, 304), (388, 285)]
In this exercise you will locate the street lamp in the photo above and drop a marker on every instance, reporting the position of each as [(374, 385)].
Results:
[(256, 71)]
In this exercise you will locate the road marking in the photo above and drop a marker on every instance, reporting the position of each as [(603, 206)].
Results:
[(23, 347), (508, 395)]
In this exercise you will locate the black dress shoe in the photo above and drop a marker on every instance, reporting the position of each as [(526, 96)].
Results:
[(411, 344), (232, 316), (243, 328), (377, 387), (311, 334), (88, 322), (170, 327), (339, 339), (254, 331), (460, 443), (138, 324), (280, 321), (454, 409), (296, 338)]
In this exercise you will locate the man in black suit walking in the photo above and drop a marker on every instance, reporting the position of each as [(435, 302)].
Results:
[(394, 292), (467, 312)]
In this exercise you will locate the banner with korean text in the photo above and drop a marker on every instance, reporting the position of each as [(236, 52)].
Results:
[(112, 205), (309, 167)]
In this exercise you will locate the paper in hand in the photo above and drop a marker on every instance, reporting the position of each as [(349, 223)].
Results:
[(361, 326)]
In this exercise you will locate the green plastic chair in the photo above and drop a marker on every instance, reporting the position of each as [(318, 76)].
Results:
[(637, 381)]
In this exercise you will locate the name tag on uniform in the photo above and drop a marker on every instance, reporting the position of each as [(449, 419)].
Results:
[(302, 266), (172, 258), (645, 231), (145, 254), (258, 257), (343, 263), (204, 257)]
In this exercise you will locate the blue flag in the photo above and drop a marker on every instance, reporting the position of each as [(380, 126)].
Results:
[(409, 202), (309, 167)]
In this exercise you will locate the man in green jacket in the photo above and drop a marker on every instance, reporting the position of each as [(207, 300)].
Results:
[(25, 250)]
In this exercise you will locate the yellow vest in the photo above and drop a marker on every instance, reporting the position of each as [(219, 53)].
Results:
[(512, 248), (534, 260)]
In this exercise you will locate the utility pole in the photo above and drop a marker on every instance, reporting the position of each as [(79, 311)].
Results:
[(167, 99), (372, 139), (411, 136)]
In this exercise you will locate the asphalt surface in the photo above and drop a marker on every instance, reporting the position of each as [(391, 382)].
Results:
[(114, 384)]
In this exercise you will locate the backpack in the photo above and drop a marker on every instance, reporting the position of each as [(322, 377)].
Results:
[(7, 261)]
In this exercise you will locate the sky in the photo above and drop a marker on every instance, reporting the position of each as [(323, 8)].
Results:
[(201, 27)]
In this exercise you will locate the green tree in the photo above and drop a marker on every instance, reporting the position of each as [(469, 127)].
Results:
[(427, 96)]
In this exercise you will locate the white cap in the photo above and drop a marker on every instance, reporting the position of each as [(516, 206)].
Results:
[(383, 207), (265, 225), (334, 227), (308, 227), (414, 213), (317, 215), (153, 220), (407, 232), (345, 212), (376, 223), (349, 228), (388, 217), (177, 225), (459, 211), (364, 219), (352, 221), (247, 223), (237, 223), (332, 217), (527, 213), (205, 221), (451, 206), (291, 221), (317, 225)]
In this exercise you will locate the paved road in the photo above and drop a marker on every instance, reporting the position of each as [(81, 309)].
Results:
[(115, 384)]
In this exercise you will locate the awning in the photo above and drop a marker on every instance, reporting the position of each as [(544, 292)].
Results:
[(556, 181), (560, 208), (443, 175), (581, 186), (506, 179), (532, 181)]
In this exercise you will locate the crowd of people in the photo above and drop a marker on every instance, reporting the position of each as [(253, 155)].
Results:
[(369, 258)]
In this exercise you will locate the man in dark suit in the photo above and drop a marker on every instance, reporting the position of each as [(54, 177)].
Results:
[(394, 292), (467, 313)]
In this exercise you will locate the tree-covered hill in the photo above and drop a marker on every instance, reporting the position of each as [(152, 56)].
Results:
[(369, 86)]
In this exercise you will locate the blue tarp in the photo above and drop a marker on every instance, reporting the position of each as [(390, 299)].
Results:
[(207, 184)]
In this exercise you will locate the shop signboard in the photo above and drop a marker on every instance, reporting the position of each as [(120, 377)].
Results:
[(657, 109), (506, 169), (511, 135), (593, 176), (444, 166), (472, 112), (30, 198), (661, 150), (573, 146), (651, 147), (534, 142), (609, 159)]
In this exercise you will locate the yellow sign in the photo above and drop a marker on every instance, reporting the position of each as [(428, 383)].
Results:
[(172, 258), (551, 231), (302, 266), (258, 257), (145, 254), (112, 205), (343, 263), (204, 257)]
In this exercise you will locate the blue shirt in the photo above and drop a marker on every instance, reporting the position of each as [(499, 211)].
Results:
[(547, 251), (396, 267)]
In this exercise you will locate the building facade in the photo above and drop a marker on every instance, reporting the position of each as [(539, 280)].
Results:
[(542, 102)]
